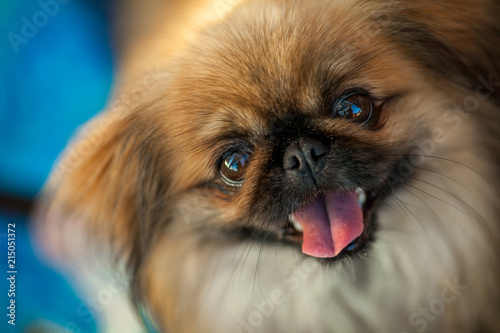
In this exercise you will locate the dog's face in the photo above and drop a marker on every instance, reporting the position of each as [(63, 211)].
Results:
[(319, 128), (316, 124), (299, 142)]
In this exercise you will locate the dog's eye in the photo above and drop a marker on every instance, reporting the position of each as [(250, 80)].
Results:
[(233, 166), (355, 107)]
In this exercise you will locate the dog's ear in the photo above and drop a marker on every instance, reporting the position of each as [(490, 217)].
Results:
[(113, 181), (454, 37)]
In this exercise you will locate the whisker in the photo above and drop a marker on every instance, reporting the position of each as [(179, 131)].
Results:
[(435, 197), (447, 160), (246, 257), (410, 212), (260, 251), (394, 209), (445, 176), (453, 195), (423, 201)]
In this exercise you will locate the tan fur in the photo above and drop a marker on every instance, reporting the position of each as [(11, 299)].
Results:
[(134, 179)]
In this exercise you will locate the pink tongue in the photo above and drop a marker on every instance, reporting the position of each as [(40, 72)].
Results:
[(330, 223)]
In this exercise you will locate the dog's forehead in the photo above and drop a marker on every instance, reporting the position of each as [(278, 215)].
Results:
[(255, 71), (276, 63)]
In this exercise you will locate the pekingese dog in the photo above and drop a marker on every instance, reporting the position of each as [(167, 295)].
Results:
[(290, 166)]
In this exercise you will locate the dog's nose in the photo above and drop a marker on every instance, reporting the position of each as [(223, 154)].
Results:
[(305, 156)]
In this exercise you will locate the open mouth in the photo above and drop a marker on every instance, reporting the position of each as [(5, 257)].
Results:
[(333, 224)]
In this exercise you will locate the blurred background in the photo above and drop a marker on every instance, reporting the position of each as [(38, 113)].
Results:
[(56, 69)]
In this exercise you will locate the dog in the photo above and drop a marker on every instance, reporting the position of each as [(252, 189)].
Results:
[(290, 166)]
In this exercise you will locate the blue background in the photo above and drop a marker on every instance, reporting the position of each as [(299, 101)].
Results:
[(50, 84)]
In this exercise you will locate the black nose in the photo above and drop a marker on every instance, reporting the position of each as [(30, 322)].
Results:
[(305, 156)]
